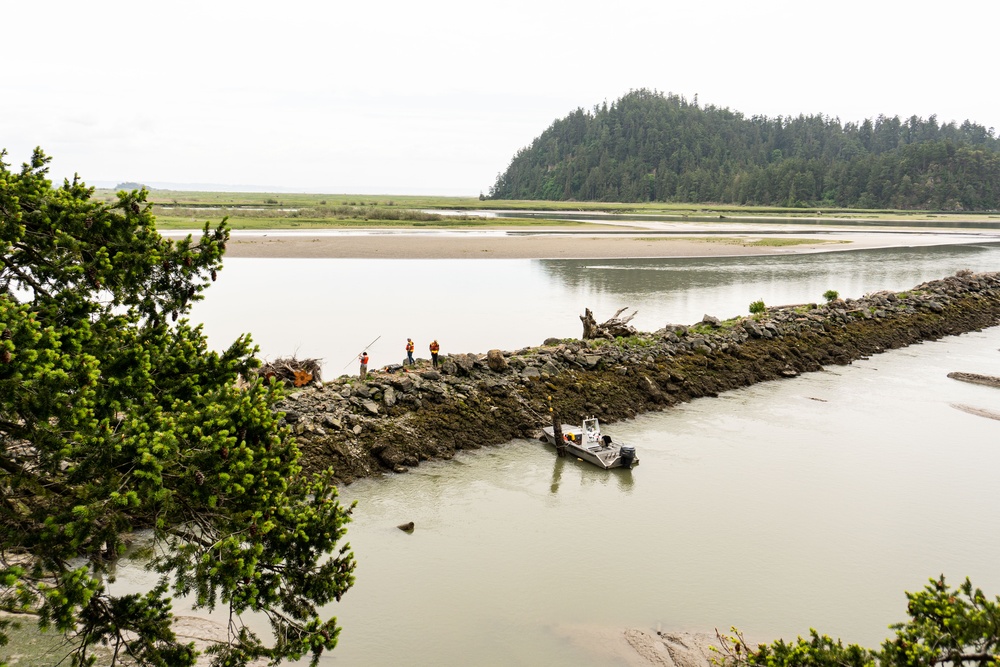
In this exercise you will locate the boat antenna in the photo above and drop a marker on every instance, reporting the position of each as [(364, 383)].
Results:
[(366, 347)]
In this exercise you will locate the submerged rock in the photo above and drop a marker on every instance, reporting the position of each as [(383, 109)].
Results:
[(975, 378)]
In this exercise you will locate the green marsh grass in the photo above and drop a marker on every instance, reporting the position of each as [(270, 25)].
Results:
[(281, 205)]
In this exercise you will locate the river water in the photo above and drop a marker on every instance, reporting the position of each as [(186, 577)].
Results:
[(814, 502), (810, 502), (330, 309)]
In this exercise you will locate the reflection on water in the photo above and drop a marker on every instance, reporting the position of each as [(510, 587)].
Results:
[(557, 468), (589, 473), (851, 273)]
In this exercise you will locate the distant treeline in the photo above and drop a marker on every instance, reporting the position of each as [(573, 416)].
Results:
[(650, 146), (128, 186)]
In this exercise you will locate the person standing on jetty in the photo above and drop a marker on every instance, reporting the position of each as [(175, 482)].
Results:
[(363, 357), (409, 351), (434, 352)]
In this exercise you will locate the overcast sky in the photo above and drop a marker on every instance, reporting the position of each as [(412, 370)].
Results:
[(435, 97)]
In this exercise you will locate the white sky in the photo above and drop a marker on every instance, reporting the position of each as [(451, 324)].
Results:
[(435, 97)]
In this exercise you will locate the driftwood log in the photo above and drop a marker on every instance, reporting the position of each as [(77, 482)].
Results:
[(613, 328), (298, 372)]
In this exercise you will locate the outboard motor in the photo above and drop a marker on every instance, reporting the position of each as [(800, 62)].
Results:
[(628, 455)]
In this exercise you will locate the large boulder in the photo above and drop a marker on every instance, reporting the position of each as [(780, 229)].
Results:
[(496, 361)]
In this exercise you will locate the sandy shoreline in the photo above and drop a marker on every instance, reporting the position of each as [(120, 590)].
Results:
[(583, 245)]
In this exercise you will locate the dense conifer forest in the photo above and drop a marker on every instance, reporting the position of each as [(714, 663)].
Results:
[(650, 146)]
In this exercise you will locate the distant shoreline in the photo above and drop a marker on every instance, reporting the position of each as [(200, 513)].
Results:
[(577, 245)]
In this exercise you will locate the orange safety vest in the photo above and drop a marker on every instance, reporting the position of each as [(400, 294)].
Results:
[(364, 360), (435, 347)]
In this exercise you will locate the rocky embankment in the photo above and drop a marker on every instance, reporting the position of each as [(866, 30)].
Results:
[(393, 420)]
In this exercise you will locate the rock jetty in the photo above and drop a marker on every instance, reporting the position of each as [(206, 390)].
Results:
[(392, 421)]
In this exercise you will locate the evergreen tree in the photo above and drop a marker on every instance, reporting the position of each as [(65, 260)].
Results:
[(946, 627), (115, 418), (648, 146)]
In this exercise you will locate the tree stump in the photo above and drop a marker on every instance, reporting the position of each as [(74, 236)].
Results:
[(614, 327), (299, 372)]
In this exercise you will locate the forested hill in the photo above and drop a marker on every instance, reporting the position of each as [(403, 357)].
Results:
[(648, 146)]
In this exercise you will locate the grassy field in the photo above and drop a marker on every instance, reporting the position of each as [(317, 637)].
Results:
[(260, 210)]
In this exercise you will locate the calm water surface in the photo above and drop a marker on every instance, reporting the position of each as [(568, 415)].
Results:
[(332, 308), (812, 502)]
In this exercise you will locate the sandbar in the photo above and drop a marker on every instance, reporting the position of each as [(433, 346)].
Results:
[(566, 245)]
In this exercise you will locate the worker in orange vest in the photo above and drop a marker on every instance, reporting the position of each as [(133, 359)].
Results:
[(434, 352), (409, 351), (363, 357)]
